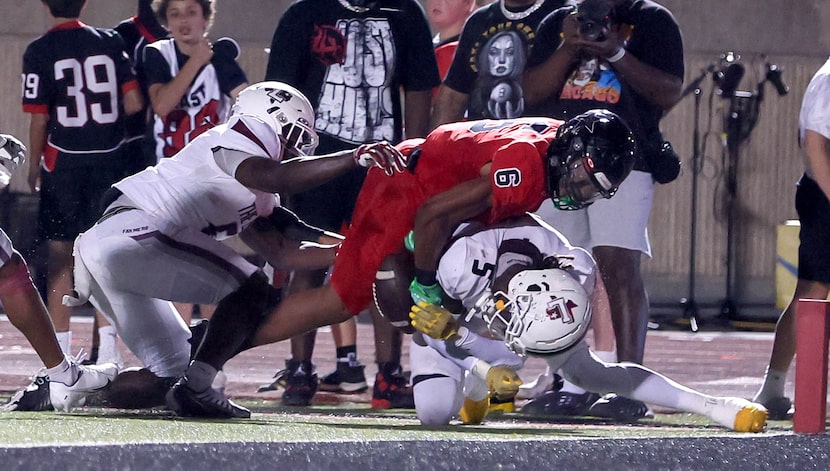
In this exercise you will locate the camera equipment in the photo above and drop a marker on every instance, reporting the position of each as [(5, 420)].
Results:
[(774, 77), (729, 74), (594, 17)]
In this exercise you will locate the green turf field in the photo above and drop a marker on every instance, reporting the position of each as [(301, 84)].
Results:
[(356, 422)]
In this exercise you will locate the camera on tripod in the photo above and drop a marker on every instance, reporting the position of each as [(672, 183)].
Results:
[(594, 18)]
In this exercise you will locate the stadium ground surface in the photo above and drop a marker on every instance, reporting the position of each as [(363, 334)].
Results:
[(342, 432)]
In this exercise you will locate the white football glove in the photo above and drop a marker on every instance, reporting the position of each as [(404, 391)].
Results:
[(382, 155)]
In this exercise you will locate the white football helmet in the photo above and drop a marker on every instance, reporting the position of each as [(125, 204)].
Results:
[(12, 155), (285, 109), (543, 312)]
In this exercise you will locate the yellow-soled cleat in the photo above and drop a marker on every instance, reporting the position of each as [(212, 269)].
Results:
[(473, 412), (751, 418)]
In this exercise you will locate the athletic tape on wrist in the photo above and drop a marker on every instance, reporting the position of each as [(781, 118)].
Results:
[(617, 56)]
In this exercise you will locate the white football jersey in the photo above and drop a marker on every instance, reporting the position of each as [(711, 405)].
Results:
[(196, 188), (466, 268)]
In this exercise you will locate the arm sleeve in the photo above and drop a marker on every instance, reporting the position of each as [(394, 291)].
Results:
[(229, 159), (471, 347), (155, 67)]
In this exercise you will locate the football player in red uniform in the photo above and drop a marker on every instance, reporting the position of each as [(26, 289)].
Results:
[(486, 170)]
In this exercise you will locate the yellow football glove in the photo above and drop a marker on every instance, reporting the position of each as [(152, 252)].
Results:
[(502, 382), (433, 320)]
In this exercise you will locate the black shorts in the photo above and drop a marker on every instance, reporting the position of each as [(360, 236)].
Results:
[(814, 214), (330, 206), (70, 200)]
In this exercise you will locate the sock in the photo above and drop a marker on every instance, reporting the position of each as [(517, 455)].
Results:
[(107, 345), (65, 341), (348, 354), (607, 357), (200, 375), (773, 386), (570, 387), (66, 372)]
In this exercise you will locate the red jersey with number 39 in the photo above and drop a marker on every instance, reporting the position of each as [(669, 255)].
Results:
[(77, 74)]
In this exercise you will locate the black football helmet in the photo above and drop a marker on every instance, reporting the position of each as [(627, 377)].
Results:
[(591, 155)]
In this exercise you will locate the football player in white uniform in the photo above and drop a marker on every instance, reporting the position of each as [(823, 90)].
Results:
[(159, 238), (536, 297), (69, 383)]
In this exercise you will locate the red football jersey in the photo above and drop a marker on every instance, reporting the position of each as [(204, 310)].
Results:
[(451, 154)]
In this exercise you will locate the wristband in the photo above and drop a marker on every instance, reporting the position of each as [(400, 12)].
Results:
[(409, 241), (429, 294), (617, 56)]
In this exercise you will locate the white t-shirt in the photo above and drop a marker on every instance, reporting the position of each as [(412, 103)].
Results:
[(815, 107)]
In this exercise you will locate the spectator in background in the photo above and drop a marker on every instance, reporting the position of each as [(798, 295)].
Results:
[(812, 202), (447, 17), (191, 82), (351, 59), (77, 86), (635, 69), (137, 32), (484, 78)]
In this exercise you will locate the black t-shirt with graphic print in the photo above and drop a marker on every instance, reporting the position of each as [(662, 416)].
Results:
[(351, 65), (655, 39), (491, 57)]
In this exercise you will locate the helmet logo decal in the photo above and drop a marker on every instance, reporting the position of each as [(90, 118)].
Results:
[(561, 308), (507, 177), (278, 96)]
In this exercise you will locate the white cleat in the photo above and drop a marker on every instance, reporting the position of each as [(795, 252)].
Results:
[(91, 379)]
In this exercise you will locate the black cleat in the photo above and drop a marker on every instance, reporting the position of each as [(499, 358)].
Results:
[(209, 403), (345, 379), (300, 383), (559, 403), (620, 408), (34, 397), (391, 390), (780, 408)]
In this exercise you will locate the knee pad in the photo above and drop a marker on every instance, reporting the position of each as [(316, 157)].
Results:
[(17, 279)]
